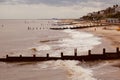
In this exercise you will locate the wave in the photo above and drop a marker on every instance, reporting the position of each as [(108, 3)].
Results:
[(81, 40), (73, 70)]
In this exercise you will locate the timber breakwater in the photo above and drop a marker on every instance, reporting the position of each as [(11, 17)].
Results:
[(90, 57), (78, 27)]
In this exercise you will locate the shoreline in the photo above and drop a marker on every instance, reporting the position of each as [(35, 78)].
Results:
[(110, 40), (109, 37)]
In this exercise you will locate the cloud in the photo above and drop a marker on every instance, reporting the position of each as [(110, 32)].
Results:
[(20, 9), (58, 2)]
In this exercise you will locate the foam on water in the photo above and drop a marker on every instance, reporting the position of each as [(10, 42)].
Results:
[(73, 70), (81, 40), (78, 39)]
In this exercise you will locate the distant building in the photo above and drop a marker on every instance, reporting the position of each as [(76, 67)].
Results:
[(102, 12), (89, 14), (95, 13), (103, 21), (117, 9), (112, 20)]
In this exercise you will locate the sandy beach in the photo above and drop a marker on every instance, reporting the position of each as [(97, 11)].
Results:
[(110, 38), (110, 33)]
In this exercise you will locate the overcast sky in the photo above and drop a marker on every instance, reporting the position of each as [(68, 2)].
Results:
[(44, 9)]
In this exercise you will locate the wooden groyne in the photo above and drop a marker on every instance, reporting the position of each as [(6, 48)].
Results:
[(76, 27), (90, 57), (65, 27)]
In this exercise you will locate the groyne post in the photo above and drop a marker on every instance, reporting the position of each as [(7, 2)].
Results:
[(28, 28), (47, 55), (117, 50), (75, 52), (20, 55), (61, 54), (89, 52), (34, 55), (7, 56), (104, 50)]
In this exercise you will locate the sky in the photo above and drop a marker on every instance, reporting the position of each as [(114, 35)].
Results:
[(47, 9)]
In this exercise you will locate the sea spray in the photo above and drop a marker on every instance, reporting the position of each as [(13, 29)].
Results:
[(73, 70)]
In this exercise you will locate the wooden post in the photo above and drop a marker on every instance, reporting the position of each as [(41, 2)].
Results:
[(20, 55), (7, 56), (47, 55), (61, 54), (89, 52), (28, 27), (117, 50), (75, 52), (104, 50), (34, 55)]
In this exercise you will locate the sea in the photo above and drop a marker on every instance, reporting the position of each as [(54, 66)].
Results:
[(34, 37)]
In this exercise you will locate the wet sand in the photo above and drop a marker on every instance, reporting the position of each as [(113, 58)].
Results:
[(110, 33)]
